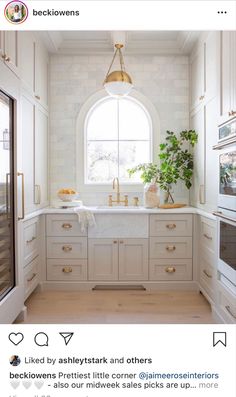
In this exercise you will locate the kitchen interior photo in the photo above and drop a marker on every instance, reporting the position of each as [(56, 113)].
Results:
[(117, 177)]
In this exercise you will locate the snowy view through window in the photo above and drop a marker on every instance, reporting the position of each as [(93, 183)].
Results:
[(118, 133)]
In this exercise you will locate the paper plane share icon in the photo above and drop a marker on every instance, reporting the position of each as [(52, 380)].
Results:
[(66, 336)]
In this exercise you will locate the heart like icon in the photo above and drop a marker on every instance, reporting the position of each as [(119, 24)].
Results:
[(39, 384), (16, 338), (14, 384), (26, 384)]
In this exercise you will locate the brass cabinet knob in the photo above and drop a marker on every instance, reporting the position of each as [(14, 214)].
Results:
[(6, 58), (32, 277), (207, 274), (67, 269), (171, 226), (30, 241), (170, 269), (114, 242), (201, 97), (206, 236), (37, 97), (170, 248), (67, 248), (66, 226), (121, 242)]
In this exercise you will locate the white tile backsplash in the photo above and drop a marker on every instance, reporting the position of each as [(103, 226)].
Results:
[(164, 80)]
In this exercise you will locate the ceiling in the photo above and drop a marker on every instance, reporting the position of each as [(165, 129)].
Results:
[(136, 42)]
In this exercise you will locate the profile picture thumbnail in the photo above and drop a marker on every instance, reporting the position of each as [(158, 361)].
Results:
[(14, 361), (16, 12)]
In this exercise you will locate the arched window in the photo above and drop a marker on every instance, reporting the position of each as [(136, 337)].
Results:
[(118, 136)]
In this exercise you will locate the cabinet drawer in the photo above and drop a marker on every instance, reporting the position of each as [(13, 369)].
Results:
[(227, 304), (66, 270), (31, 278), (67, 247), (207, 274), (168, 248), (167, 270), (171, 225), (31, 240), (63, 225), (208, 234)]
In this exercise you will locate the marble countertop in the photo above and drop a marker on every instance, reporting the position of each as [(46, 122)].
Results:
[(123, 210)]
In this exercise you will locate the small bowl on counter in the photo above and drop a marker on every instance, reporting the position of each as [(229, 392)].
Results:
[(67, 195)]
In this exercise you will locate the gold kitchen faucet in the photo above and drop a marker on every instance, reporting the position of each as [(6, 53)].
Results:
[(116, 186)]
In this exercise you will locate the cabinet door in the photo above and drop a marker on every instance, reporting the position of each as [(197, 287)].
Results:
[(12, 51), (26, 59), (197, 77), (198, 186), (103, 259), (41, 157), (133, 259), (210, 70), (227, 76), (27, 126), (41, 74)]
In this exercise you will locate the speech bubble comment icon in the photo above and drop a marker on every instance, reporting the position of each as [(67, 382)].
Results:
[(41, 339)]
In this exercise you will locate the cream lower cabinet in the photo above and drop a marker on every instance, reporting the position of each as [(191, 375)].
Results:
[(207, 258), (66, 247), (170, 247), (31, 255), (118, 259)]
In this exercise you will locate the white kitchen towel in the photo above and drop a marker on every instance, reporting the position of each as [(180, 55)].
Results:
[(85, 217)]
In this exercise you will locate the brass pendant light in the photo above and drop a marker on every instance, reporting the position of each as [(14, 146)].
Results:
[(118, 83)]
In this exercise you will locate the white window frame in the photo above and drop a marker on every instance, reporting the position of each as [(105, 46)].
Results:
[(81, 141)]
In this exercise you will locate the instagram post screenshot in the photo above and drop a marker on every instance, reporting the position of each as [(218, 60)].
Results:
[(117, 198)]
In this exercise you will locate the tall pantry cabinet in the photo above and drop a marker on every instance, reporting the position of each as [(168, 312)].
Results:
[(34, 120)]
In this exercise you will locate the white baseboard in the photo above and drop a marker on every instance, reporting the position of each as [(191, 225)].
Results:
[(89, 285)]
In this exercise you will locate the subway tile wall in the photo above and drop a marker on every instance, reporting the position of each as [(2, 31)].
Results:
[(164, 80)]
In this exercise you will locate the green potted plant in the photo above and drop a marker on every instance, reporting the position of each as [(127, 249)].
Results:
[(176, 163)]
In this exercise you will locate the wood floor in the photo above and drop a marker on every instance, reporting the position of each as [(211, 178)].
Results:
[(116, 307)]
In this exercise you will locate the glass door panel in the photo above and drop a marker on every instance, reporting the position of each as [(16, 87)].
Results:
[(7, 269)]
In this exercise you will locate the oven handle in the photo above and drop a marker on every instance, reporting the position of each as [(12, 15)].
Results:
[(220, 215)]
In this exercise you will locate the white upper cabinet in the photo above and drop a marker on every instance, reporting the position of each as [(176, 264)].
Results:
[(41, 157), (197, 76), (26, 59), (227, 76), (10, 50), (27, 127), (203, 70), (41, 74), (197, 122)]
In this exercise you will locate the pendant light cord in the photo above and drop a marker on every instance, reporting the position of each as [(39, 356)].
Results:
[(122, 64)]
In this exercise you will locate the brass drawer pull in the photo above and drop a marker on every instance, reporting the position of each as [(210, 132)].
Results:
[(67, 248), (66, 226), (208, 237), (30, 241), (229, 311), (170, 248), (114, 242), (67, 269), (31, 278), (170, 269), (171, 226), (207, 274), (121, 242), (37, 97)]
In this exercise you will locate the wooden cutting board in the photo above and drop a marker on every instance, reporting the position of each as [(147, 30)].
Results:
[(169, 206)]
